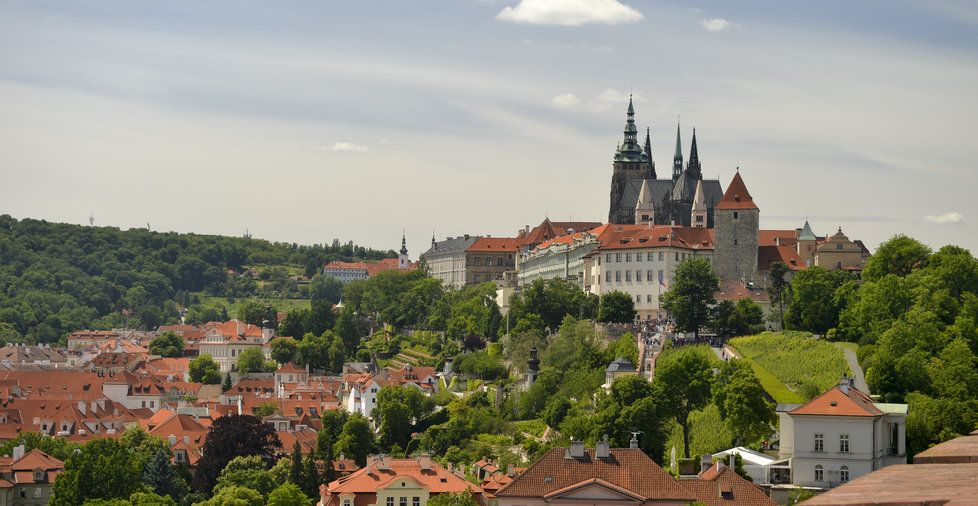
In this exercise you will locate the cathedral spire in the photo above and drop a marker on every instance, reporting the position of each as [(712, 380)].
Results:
[(630, 150), (404, 250), (677, 159), (693, 166), (648, 149)]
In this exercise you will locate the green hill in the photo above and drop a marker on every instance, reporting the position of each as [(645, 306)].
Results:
[(56, 278)]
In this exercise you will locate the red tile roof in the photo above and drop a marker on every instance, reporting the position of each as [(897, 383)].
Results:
[(959, 450), (436, 479), (907, 485), (721, 486), (736, 196), (776, 237), (836, 402), (766, 255), (628, 469), (660, 236), (494, 244)]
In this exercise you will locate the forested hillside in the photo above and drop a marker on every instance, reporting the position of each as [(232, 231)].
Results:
[(56, 278)]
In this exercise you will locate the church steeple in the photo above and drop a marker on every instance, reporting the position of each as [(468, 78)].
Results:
[(693, 166), (648, 149), (630, 150), (677, 159), (404, 250), (403, 262)]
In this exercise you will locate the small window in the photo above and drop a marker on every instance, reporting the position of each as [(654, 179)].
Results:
[(415, 501), (844, 474), (649, 275), (638, 299), (648, 257), (618, 257), (628, 257), (661, 255), (736, 215), (37, 492), (819, 473), (403, 500), (735, 242), (819, 442), (607, 276), (677, 256), (844, 443), (390, 501), (838, 265), (607, 257), (638, 275), (618, 276), (648, 298), (838, 246), (628, 275)]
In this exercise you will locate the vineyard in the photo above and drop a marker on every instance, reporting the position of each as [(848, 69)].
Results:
[(805, 365)]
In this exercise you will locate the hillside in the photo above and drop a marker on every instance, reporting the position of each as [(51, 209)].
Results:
[(56, 278)]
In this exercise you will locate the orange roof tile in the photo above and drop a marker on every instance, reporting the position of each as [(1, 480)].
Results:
[(836, 402), (736, 196), (494, 244), (436, 479)]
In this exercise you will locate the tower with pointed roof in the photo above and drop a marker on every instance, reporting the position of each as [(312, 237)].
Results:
[(648, 149), (699, 216), (403, 261), (737, 220), (631, 162), (807, 244), (677, 158), (645, 208)]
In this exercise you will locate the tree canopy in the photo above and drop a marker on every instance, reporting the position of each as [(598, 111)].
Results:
[(690, 297)]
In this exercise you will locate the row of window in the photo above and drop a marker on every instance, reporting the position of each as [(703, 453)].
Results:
[(402, 501), (820, 442), (843, 474), (490, 261), (649, 276), (649, 257)]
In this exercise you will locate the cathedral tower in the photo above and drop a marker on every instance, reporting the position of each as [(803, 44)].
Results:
[(693, 165), (735, 244), (631, 163), (677, 159), (403, 262)]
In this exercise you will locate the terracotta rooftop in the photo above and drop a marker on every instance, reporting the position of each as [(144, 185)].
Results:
[(959, 450), (836, 402), (436, 479), (907, 485), (494, 244), (721, 486), (626, 468), (736, 196)]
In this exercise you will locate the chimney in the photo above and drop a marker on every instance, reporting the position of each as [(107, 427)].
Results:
[(576, 450), (733, 461), (706, 461), (602, 450), (18, 452), (844, 384), (382, 464), (510, 470), (267, 332), (424, 462), (633, 443)]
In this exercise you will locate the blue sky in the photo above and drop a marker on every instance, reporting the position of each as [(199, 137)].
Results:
[(305, 121)]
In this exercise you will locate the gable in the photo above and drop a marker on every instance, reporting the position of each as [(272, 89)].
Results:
[(595, 491)]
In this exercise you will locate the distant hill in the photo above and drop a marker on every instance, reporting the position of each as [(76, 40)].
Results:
[(56, 277)]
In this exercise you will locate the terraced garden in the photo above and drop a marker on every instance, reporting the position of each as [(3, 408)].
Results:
[(804, 366)]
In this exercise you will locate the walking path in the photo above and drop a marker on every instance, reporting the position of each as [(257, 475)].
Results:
[(857, 371)]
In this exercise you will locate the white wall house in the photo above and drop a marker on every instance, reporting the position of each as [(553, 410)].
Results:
[(840, 436)]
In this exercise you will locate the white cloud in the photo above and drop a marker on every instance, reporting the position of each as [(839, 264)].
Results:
[(715, 25), (347, 147), (618, 97), (565, 101), (569, 12), (946, 218)]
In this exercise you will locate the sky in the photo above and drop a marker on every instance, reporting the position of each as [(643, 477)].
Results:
[(305, 121)]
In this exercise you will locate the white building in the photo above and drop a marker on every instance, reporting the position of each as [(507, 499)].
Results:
[(840, 436), (446, 260), (559, 258), (224, 342), (360, 390), (641, 261)]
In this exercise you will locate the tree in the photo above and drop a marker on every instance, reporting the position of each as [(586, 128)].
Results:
[(226, 384), (685, 376), (283, 350), (313, 350), (162, 478), (296, 475), (167, 344), (778, 288), (234, 496), (551, 300), (326, 439), (233, 436), (625, 347), (203, 369), (690, 297), (743, 403), (150, 499), (899, 255), (102, 469), (288, 494), (813, 305), (556, 410), (249, 472), (453, 499), (356, 440), (616, 307), (312, 480), (346, 327), (57, 447), (742, 318), (251, 360), (398, 407)]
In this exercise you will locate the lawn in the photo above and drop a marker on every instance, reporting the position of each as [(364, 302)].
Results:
[(534, 426), (849, 346), (707, 434), (232, 305), (773, 386), (801, 363)]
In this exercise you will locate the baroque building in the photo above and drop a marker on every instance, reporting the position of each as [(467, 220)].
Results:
[(639, 196)]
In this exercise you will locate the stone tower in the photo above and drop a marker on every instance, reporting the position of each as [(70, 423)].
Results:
[(631, 162), (532, 368), (698, 217), (645, 208), (736, 220)]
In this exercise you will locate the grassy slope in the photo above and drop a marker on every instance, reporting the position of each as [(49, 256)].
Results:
[(793, 359), (279, 304)]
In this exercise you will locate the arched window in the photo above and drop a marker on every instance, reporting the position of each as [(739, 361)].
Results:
[(819, 473), (844, 474)]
